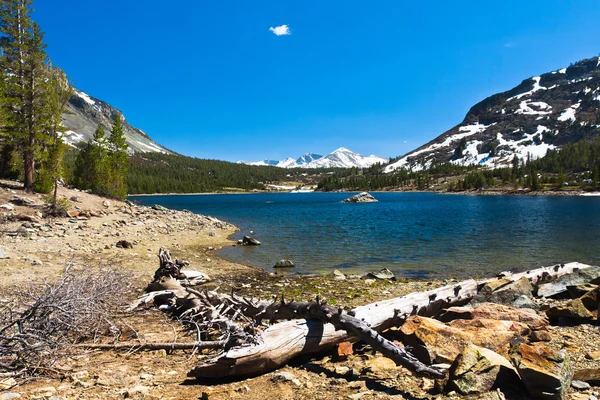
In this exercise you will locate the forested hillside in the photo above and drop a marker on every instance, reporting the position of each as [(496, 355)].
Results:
[(164, 173)]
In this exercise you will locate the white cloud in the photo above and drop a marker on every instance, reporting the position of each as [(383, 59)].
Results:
[(281, 30), (509, 45)]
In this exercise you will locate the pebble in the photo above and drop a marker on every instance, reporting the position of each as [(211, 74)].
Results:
[(580, 385), (285, 377)]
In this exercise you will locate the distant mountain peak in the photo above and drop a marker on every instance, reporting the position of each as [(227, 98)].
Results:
[(339, 158)]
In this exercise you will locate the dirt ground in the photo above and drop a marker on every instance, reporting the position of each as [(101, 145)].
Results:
[(40, 248)]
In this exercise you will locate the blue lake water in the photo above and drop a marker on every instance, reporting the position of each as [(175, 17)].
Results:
[(412, 234)]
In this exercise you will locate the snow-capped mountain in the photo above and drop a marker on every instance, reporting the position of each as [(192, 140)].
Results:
[(542, 113), (84, 113), (340, 158)]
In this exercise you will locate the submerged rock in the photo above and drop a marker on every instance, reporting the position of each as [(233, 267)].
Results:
[(283, 264), (363, 197)]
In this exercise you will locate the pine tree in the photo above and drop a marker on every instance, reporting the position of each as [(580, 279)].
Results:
[(118, 160), (25, 64), (91, 166)]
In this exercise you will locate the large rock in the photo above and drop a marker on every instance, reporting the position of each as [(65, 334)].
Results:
[(477, 370), (497, 312), (435, 342), (363, 197), (558, 287), (589, 375), (283, 264), (576, 291), (547, 374), (502, 292), (572, 310)]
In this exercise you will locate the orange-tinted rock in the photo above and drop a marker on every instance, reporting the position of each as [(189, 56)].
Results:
[(547, 374), (435, 342), (487, 323), (540, 336), (590, 300), (73, 213), (344, 349), (497, 312), (589, 375)]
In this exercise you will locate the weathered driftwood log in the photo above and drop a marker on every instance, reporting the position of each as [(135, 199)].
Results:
[(283, 341)]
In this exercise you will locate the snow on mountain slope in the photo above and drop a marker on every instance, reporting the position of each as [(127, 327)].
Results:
[(543, 112), (340, 158), (84, 113), (344, 158)]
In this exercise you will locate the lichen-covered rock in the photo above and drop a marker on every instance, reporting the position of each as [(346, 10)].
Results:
[(477, 370), (363, 197)]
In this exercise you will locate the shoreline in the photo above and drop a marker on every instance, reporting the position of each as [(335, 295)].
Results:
[(467, 193)]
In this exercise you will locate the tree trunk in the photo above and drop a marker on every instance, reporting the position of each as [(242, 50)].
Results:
[(282, 341), (29, 166)]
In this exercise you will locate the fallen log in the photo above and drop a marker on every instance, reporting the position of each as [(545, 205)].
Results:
[(282, 341)]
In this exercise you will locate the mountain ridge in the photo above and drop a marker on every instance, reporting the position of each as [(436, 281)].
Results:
[(541, 113), (84, 113), (339, 158)]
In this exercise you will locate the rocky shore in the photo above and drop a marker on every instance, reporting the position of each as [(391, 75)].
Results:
[(33, 247)]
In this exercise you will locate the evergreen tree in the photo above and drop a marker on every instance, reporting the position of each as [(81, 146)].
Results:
[(118, 160), (91, 166), (25, 104)]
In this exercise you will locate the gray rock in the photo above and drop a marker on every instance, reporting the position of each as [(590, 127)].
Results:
[(250, 241), (3, 255), (363, 197), (285, 377), (383, 274), (158, 207), (524, 301), (283, 264), (506, 293), (9, 396), (337, 274), (580, 385), (558, 287)]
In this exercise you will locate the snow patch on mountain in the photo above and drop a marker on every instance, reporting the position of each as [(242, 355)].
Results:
[(569, 113)]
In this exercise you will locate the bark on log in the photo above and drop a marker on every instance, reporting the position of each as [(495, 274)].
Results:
[(281, 342)]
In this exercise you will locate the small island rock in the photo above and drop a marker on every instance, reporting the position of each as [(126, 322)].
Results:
[(363, 197), (283, 264)]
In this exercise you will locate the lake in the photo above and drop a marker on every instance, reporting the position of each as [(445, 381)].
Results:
[(412, 234)]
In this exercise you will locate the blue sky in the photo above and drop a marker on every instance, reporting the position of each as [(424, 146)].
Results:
[(209, 79)]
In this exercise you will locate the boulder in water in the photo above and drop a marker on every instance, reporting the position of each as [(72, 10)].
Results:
[(363, 197), (250, 241), (283, 264)]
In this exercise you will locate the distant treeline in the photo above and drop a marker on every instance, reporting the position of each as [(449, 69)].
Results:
[(163, 173), (575, 163)]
